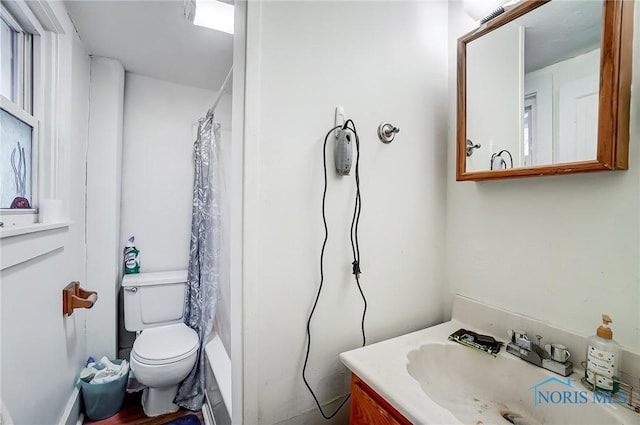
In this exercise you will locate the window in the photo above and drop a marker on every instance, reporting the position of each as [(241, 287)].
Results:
[(17, 152), (18, 126), (9, 38), (17, 63), (529, 133)]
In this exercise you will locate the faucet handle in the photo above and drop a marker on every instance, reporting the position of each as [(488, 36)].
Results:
[(515, 335), (519, 338), (539, 338), (558, 352)]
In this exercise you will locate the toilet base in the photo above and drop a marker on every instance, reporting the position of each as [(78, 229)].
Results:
[(158, 401)]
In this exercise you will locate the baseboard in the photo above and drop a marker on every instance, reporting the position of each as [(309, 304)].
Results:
[(313, 417), (71, 414)]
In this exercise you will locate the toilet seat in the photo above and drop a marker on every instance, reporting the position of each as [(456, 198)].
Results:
[(165, 344)]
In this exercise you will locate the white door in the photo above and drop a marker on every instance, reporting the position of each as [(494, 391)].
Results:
[(578, 120)]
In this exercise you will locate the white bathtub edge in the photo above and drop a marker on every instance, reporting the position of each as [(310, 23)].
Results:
[(221, 365)]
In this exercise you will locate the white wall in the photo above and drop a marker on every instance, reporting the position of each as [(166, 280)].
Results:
[(42, 351), (160, 125), (236, 199), (494, 89), (157, 166), (382, 61), (560, 249), (104, 165)]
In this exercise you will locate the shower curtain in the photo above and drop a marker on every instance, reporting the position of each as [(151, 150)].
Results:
[(204, 256)]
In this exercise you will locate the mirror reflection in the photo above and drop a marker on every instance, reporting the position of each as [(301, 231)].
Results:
[(532, 88)]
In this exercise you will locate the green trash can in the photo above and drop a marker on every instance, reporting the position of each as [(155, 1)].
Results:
[(102, 401)]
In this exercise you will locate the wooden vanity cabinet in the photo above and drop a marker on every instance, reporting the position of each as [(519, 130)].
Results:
[(368, 408)]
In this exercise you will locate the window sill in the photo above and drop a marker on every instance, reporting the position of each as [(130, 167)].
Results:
[(7, 232), (20, 244)]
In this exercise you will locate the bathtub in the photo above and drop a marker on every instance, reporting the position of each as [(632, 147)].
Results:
[(217, 383)]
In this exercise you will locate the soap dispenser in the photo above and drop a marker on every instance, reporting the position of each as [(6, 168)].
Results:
[(603, 358)]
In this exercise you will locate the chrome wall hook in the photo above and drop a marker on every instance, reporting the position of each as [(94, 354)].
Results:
[(387, 132), (471, 146)]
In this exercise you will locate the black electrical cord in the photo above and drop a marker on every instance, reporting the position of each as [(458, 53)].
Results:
[(355, 222), (356, 258), (508, 153), (499, 154)]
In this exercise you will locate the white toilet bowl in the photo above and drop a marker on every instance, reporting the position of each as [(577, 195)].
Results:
[(160, 359)]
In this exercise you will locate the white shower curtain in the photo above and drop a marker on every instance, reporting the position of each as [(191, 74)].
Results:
[(204, 260)]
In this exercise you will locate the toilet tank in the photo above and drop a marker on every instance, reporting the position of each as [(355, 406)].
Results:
[(153, 299)]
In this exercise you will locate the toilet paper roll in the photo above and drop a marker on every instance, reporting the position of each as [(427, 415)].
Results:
[(51, 211)]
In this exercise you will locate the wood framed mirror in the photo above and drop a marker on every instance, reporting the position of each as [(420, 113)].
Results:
[(544, 89)]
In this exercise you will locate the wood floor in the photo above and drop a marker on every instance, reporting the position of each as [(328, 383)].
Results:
[(132, 414)]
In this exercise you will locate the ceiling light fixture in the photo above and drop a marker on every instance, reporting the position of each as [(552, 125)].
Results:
[(212, 14), (478, 9)]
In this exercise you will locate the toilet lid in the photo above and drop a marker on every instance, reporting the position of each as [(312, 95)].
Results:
[(165, 344)]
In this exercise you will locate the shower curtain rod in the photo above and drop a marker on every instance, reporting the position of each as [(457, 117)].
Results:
[(219, 96)]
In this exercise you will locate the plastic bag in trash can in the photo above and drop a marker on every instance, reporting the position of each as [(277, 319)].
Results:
[(103, 400), (110, 371)]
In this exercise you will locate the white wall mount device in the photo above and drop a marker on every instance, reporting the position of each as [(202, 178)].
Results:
[(343, 153)]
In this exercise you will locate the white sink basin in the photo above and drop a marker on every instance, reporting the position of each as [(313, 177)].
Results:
[(480, 389), (431, 380)]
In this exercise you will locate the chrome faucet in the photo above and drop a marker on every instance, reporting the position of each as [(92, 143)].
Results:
[(532, 352)]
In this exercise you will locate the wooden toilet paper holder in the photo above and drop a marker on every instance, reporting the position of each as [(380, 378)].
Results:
[(73, 296)]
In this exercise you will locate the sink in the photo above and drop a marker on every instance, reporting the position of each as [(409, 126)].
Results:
[(480, 389), (431, 380)]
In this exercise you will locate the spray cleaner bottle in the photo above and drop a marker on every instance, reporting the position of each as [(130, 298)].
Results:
[(131, 257)]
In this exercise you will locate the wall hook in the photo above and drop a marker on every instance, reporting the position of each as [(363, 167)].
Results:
[(73, 296), (387, 132), (471, 146)]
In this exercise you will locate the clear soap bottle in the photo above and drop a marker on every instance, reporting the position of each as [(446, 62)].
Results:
[(603, 358)]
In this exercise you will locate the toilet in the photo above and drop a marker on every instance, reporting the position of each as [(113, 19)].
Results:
[(165, 349)]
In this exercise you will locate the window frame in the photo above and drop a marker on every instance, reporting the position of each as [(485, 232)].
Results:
[(28, 105), (31, 121), (23, 90), (530, 102), (8, 20)]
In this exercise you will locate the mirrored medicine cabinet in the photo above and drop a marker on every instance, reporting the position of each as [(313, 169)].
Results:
[(544, 89)]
